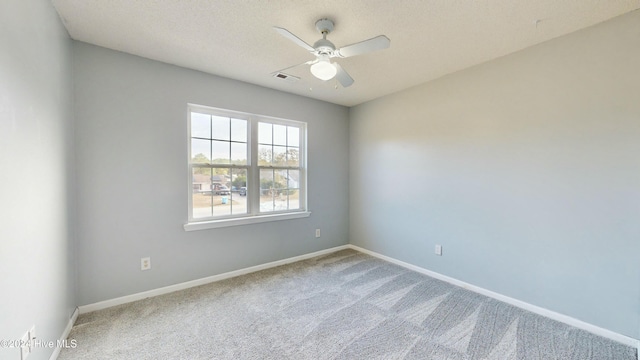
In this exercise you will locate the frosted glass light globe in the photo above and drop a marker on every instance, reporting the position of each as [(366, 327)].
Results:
[(324, 70)]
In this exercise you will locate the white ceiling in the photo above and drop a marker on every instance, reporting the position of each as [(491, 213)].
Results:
[(235, 38)]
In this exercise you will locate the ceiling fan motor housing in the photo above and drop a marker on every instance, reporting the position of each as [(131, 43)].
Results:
[(324, 47)]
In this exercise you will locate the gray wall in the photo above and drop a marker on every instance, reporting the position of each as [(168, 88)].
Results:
[(525, 169), (37, 269), (131, 135)]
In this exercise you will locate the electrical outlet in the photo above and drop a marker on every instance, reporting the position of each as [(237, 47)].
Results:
[(145, 263), (317, 233), (439, 250)]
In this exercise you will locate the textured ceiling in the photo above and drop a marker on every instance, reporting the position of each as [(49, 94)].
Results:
[(235, 38)]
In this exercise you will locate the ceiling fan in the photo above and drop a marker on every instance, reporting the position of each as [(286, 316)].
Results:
[(324, 50)]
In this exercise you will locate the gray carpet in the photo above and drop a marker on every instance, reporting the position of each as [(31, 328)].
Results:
[(345, 305)]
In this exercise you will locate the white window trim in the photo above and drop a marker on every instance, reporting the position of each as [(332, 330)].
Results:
[(253, 202), (247, 220)]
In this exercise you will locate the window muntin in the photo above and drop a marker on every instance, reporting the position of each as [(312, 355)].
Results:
[(225, 183)]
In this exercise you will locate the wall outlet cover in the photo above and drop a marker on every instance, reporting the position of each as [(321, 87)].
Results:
[(145, 263)]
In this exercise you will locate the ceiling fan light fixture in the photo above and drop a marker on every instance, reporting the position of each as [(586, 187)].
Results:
[(324, 70)]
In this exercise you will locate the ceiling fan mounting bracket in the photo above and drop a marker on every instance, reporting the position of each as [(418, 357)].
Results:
[(324, 26)]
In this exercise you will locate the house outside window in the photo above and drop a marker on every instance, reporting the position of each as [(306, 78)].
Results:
[(244, 168)]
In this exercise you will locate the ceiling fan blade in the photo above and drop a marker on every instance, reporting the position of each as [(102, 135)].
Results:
[(376, 43), (295, 39), (342, 76), (296, 65)]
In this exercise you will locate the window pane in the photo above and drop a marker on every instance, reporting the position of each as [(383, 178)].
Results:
[(293, 183), (264, 133), (221, 152), (279, 155), (239, 153), (220, 126), (200, 125), (266, 190), (238, 191), (201, 198), (280, 190), (293, 156), (200, 151), (294, 199), (279, 135), (219, 177), (280, 179), (293, 180), (293, 136), (264, 155), (221, 193), (238, 130)]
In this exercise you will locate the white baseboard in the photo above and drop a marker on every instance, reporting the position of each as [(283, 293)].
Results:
[(623, 339), (65, 334), (189, 284)]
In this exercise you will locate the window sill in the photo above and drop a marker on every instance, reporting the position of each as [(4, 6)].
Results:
[(213, 224)]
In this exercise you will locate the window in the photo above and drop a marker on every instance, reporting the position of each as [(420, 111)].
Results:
[(279, 164), (244, 168)]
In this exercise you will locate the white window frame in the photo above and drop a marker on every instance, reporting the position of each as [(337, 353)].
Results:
[(253, 173)]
